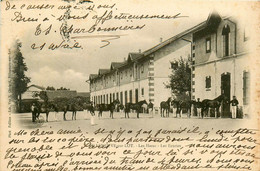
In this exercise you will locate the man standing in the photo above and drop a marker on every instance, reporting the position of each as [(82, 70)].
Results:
[(198, 106), (234, 104), (34, 111)]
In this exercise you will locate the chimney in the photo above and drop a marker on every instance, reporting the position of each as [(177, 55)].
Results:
[(161, 39), (140, 50)]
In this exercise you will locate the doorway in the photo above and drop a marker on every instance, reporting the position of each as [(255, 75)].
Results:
[(225, 89)]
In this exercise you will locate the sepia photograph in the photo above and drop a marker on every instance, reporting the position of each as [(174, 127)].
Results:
[(134, 85)]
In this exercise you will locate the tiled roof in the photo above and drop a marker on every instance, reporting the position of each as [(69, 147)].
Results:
[(36, 86), (103, 71), (61, 94), (115, 65), (83, 94), (134, 56)]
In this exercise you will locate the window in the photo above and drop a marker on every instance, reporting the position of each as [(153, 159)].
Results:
[(225, 35), (142, 91), (142, 68), (246, 87), (208, 82), (208, 45)]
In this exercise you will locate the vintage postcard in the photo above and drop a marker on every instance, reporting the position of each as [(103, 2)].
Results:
[(129, 85)]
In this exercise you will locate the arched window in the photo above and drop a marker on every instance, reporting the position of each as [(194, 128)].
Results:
[(225, 35)]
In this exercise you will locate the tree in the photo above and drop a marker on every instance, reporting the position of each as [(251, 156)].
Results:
[(63, 88), (50, 88), (180, 79), (18, 81)]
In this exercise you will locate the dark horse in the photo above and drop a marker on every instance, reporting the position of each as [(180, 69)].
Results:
[(73, 108), (108, 107), (134, 106), (185, 104), (90, 107), (44, 108), (150, 106), (175, 106), (120, 107), (213, 104), (165, 106)]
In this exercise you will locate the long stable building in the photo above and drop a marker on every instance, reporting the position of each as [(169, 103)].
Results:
[(219, 64)]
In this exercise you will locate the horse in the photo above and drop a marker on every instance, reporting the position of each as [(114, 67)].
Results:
[(150, 106), (120, 107), (90, 108), (72, 108), (108, 107), (165, 106), (215, 104), (43, 108), (175, 106), (74, 111), (187, 104), (134, 106)]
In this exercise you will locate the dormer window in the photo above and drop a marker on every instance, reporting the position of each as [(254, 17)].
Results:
[(225, 35)]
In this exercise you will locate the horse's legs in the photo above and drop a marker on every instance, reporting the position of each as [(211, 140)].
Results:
[(215, 111), (137, 113), (181, 112)]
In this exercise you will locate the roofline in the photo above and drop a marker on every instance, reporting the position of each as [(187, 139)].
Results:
[(191, 30)]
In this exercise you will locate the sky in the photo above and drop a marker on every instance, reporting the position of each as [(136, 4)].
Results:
[(70, 68)]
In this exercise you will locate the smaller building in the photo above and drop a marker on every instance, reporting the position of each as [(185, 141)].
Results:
[(29, 97)]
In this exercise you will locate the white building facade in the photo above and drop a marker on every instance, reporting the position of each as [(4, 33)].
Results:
[(221, 62), (219, 65)]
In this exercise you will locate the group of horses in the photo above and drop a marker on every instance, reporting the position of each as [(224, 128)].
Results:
[(177, 107), (115, 105)]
